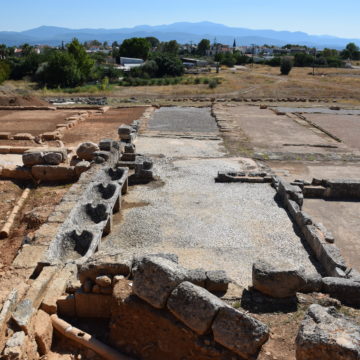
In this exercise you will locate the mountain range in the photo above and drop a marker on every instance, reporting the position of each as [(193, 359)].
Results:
[(183, 32)]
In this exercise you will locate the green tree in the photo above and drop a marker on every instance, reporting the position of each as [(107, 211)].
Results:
[(303, 59), (203, 46), (170, 47), (84, 62), (351, 52), (135, 48), (286, 65), (168, 65), (154, 42), (61, 71)]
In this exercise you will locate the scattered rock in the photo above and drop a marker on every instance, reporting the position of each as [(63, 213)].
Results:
[(103, 281), (86, 150), (327, 335), (53, 158)]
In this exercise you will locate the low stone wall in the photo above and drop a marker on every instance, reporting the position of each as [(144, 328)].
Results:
[(342, 282), (243, 177), (176, 293), (332, 189)]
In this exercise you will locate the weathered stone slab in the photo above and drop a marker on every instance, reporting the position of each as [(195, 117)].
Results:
[(43, 330), (155, 278), (346, 290), (239, 332), (194, 306), (57, 288), (280, 282), (86, 150), (327, 335), (217, 281), (53, 173)]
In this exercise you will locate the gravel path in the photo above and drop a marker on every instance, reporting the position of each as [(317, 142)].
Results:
[(183, 119), (209, 225)]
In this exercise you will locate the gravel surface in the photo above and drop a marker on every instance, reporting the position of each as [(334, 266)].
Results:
[(209, 225), (183, 119)]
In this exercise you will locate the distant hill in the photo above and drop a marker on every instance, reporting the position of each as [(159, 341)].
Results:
[(183, 32)]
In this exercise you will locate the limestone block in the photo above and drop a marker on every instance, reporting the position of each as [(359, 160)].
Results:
[(194, 306)]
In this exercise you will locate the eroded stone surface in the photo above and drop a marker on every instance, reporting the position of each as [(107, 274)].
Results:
[(239, 332), (194, 306), (327, 335)]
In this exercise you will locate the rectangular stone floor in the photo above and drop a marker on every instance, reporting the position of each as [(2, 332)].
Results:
[(209, 225)]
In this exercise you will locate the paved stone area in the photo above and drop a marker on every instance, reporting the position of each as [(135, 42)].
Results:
[(209, 225), (186, 119)]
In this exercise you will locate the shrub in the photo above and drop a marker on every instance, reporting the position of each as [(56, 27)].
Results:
[(4, 71), (213, 83), (286, 66)]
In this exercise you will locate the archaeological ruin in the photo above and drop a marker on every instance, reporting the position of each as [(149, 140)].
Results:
[(211, 229)]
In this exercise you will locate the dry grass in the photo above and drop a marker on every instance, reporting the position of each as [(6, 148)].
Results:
[(257, 81)]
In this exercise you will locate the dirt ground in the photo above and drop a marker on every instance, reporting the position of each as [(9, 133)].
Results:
[(42, 199), (20, 100), (342, 219), (34, 122), (266, 130), (102, 126), (345, 127)]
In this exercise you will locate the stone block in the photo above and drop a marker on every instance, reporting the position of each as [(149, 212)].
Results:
[(16, 172), (53, 173), (239, 332), (31, 158), (4, 135), (217, 281), (345, 290), (312, 191), (281, 281), (194, 306), (197, 277), (53, 158), (155, 278), (81, 167), (327, 335), (23, 136), (57, 288), (105, 265), (86, 150), (52, 135), (43, 330), (28, 257)]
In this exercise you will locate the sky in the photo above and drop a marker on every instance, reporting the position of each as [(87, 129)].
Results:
[(330, 17)]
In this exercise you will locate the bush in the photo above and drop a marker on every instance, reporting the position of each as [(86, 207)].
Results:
[(213, 84), (4, 71), (286, 66), (275, 61)]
